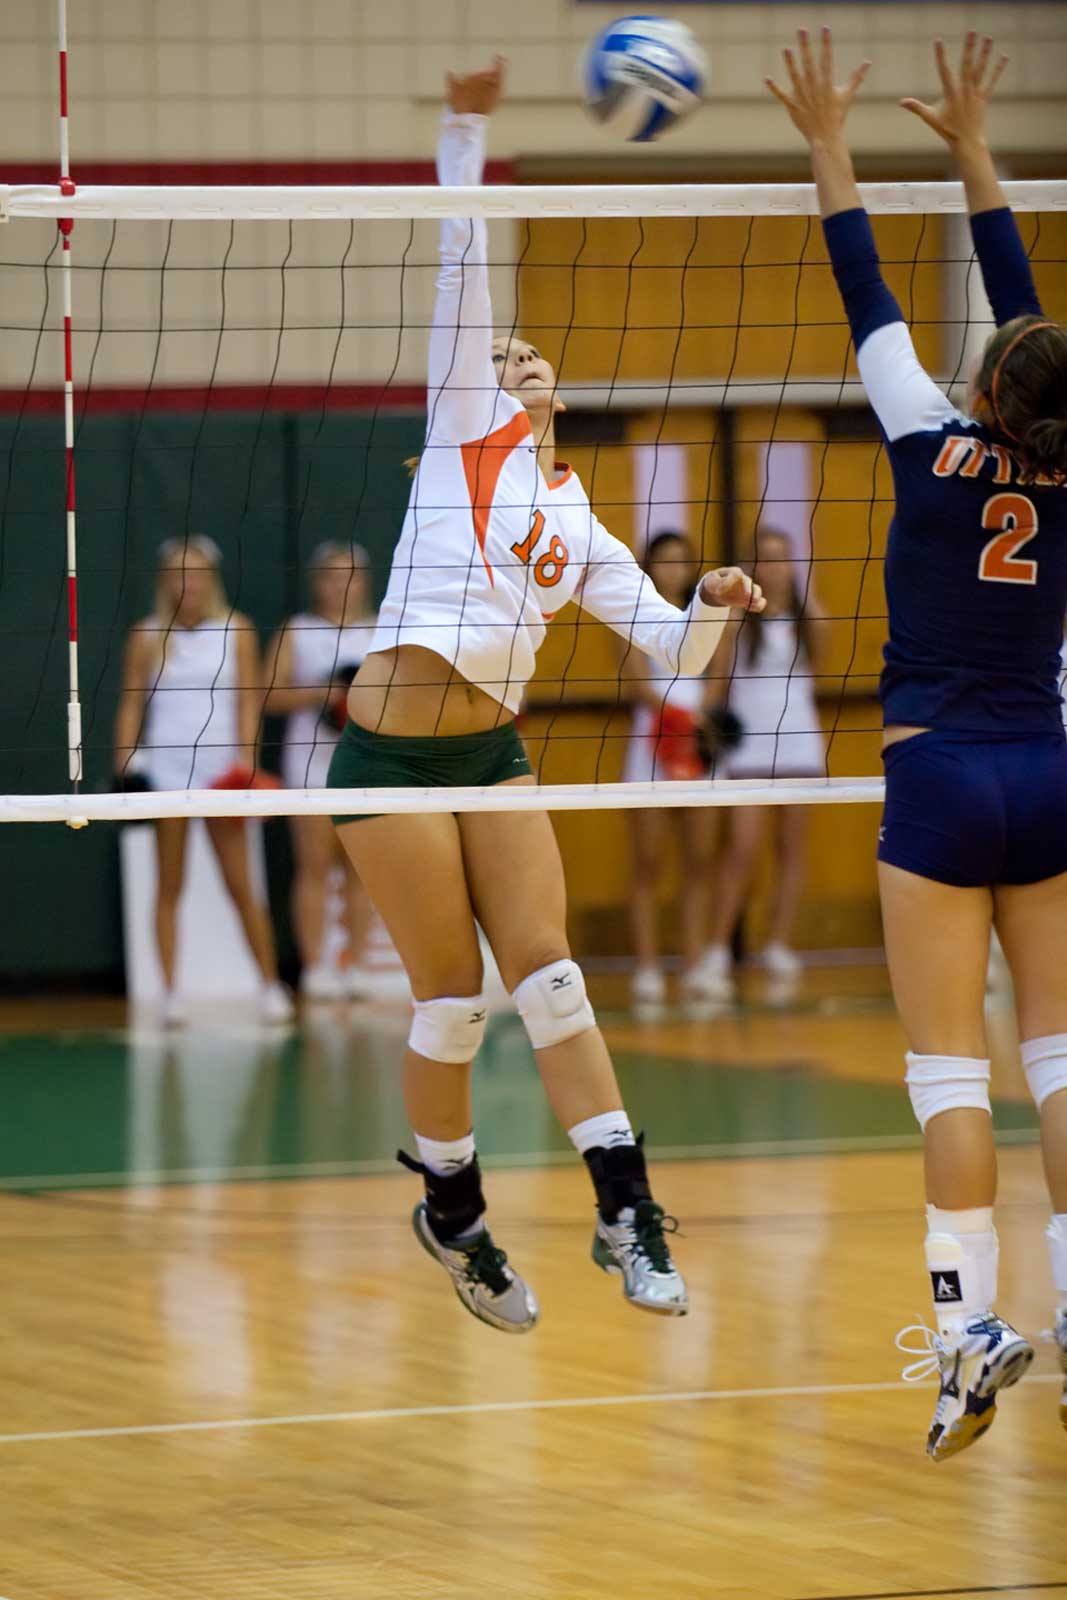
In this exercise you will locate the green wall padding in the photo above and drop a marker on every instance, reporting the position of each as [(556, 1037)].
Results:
[(267, 488)]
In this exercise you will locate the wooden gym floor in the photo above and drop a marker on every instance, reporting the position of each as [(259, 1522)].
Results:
[(229, 1372)]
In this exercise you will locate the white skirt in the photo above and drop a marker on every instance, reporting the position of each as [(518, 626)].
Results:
[(776, 755), (186, 766)]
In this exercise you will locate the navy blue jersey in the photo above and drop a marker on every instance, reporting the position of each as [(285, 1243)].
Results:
[(976, 564)]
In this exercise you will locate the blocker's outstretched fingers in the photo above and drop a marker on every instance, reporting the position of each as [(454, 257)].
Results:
[(779, 93), (857, 78), (948, 82), (995, 77), (967, 72), (807, 60), (984, 51), (794, 74)]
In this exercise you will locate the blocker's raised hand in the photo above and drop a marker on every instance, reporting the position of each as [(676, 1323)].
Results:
[(729, 586), (816, 104), (959, 115), (478, 91)]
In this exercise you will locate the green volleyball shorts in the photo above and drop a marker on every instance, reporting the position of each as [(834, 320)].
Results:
[(365, 760)]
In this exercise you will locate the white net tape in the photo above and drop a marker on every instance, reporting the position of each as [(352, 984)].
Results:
[(325, 203), (390, 802)]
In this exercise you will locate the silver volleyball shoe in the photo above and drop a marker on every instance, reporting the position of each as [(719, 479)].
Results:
[(635, 1248), (986, 1356), (490, 1289), (449, 1223)]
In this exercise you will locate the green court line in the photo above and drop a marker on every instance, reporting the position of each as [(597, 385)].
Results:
[(105, 1111)]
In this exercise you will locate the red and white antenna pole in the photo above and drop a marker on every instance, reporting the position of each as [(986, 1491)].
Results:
[(67, 186)]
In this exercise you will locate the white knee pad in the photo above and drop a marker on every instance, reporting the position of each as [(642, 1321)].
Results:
[(946, 1083), (449, 1029), (553, 1004), (1045, 1063)]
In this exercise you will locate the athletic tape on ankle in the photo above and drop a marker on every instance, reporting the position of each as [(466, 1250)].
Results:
[(946, 1083), (449, 1029), (1045, 1064)]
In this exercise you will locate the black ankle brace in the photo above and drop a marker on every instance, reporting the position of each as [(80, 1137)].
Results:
[(619, 1176), (454, 1200)]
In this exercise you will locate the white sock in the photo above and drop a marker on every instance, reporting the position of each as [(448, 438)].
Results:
[(1056, 1234), (603, 1132), (445, 1155), (961, 1257)]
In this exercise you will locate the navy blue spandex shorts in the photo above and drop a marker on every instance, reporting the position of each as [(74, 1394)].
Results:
[(975, 810)]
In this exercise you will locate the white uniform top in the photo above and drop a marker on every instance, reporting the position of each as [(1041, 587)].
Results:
[(319, 649), (640, 764), (190, 728), (774, 698), (489, 551)]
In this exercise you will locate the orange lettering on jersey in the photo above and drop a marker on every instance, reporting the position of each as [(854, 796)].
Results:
[(524, 549), (549, 568), (979, 455), (1000, 562), (1005, 462), (483, 462), (951, 455)]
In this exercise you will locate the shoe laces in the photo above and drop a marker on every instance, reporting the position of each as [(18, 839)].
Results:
[(931, 1351), (934, 1352), (486, 1263), (650, 1225)]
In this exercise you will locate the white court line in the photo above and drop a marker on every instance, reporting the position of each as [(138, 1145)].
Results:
[(485, 1408)]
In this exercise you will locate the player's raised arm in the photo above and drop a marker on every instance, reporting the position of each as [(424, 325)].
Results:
[(960, 119), (620, 594), (463, 401), (905, 399)]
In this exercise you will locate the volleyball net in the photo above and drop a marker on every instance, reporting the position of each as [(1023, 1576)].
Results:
[(248, 368)]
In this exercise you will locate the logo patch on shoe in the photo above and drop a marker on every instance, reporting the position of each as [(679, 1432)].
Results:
[(946, 1286)]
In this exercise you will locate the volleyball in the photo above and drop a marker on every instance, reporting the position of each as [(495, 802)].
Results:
[(645, 73)]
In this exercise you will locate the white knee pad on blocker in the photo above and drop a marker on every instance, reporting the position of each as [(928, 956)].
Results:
[(946, 1083), (1045, 1064), (553, 1004), (449, 1029)]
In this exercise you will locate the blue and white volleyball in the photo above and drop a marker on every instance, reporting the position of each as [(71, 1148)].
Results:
[(644, 73)]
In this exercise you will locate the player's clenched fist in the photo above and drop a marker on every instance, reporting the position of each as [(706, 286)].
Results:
[(729, 586), (478, 92)]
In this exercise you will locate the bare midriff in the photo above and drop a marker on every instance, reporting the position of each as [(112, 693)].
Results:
[(414, 694), (898, 731)]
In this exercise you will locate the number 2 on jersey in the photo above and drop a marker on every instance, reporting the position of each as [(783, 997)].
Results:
[(1016, 519), (549, 568)]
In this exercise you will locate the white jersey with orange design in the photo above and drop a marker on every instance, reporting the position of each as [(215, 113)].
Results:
[(490, 550)]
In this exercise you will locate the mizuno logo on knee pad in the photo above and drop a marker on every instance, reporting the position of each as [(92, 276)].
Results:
[(449, 1028), (553, 1004)]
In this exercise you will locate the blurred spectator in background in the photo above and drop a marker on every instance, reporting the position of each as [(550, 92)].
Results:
[(188, 718), (312, 660), (765, 670), (663, 745)]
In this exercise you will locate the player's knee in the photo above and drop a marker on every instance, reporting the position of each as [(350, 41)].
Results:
[(946, 1083), (553, 1004), (449, 1028), (1045, 1065)]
